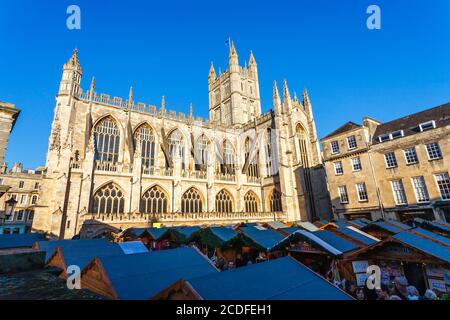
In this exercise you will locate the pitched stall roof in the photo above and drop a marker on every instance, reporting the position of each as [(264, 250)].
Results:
[(438, 250), (141, 276), (358, 235), (410, 124), (307, 226), (50, 246), (81, 255), (276, 225), (215, 236), (384, 226), (266, 239), (279, 279), (326, 240), (431, 235), (132, 247), (23, 240), (443, 227)]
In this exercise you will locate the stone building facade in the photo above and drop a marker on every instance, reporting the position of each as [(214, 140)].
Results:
[(404, 166), (23, 186), (115, 163)]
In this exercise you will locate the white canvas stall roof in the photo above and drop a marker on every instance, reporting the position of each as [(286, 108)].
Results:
[(363, 233), (307, 225)]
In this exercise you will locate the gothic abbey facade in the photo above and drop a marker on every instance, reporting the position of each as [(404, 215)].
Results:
[(115, 163)]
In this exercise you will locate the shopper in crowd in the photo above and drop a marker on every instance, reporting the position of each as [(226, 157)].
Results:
[(400, 287), (360, 294), (430, 295), (350, 288), (383, 293), (413, 293)]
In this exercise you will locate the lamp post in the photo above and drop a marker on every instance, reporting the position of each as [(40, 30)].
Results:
[(9, 210)]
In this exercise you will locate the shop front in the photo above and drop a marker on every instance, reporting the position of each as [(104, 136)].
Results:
[(396, 259)]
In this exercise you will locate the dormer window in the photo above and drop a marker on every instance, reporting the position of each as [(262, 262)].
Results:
[(384, 137), (427, 125), (391, 136), (397, 134)]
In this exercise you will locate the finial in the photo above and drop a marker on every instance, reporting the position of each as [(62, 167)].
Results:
[(252, 60), (163, 104), (190, 110), (286, 93), (130, 95), (91, 88), (275, 89)]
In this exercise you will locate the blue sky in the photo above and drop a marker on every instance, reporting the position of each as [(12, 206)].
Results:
[(165, 48)]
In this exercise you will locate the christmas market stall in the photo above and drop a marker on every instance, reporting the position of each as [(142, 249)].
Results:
[(17, 242), (79, 253), (143, 275), (221, 244), (384, 229), (50, 246), (258, 243), (279, 279), (321, 249), (418, 255)]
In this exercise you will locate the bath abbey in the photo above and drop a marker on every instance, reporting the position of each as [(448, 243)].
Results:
[(115, 163)]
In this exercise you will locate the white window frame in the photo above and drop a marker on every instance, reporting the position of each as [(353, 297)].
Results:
[(336, 166), (30, 213), (337, 145), (399, 191), (401, 132), (384, 137), (388, 166), (23, 196), (420, 190), (433, 125), (438, 148), (363, 184), (444, 197), (344, 188), (353, 164), (348, 142), (415, 154)]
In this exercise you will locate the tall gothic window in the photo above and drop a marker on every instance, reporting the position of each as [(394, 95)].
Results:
[(253, 167), (251, 202), (303, 146), (224, 202), (192, 201), (107, 140), (201, 153), (227, 165), (269, 153), (109, 199), (176, 146), (275, 201), (154, 200), (145, 136)]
